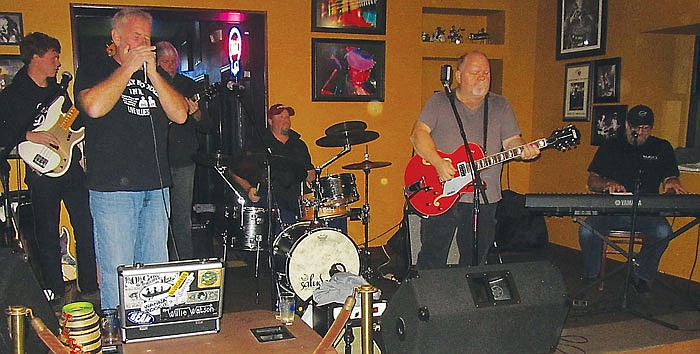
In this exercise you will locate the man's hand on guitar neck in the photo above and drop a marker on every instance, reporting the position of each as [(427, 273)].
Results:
[(44, 138), (530, 151), (193, 109)]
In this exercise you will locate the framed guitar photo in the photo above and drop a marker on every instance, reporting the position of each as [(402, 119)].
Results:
[(581, 27), (349, 16), (577, 91)]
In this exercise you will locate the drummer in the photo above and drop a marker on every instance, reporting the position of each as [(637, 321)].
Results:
[(290, 165)]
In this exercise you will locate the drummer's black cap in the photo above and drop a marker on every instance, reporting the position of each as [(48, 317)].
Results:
[(278, 108)]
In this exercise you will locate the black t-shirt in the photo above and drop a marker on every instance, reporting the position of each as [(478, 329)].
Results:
[(119, 147), (618, 160), (286, 182), (182, 138)]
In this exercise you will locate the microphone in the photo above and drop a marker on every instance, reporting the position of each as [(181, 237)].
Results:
[(66, 77), (635, 133), (235, 86), (446, 75)]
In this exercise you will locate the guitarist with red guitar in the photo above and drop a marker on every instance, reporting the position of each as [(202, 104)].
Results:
[(37, 113), (435, 131)]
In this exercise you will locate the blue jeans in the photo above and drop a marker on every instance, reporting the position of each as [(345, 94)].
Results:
[(130, 227), (654, 229), (181, 217)]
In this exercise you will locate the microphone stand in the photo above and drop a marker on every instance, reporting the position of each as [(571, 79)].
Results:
[(630, 251), (270, 203), (478, 185)]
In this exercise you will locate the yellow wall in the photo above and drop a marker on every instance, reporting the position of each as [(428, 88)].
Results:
[(654, 71)]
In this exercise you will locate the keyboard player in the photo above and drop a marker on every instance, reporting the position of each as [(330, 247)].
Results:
[(617, 164)]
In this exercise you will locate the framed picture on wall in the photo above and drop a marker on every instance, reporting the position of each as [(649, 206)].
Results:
[(607, 123), (581, 27), (11, 31), (9, 66), (348, 16), (607, 81), (347, 70), (577, 91)]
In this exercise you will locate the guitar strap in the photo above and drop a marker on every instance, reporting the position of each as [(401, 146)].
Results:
[(486, 121)]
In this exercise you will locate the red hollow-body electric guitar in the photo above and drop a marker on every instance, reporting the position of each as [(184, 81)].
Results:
[(430, 197)]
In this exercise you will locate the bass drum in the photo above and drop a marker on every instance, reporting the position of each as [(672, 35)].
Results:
[(306, 257)]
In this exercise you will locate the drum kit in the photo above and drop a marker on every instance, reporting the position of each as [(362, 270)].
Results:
[(307, 253)]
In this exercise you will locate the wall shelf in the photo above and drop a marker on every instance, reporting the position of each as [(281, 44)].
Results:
[(472, 20)]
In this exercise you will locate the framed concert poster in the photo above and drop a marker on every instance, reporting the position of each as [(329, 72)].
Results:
[(349, 16), (347, 70), (607, 122), (577, 91), (581, 27), (9, 66), (11, 27), (607, 81)]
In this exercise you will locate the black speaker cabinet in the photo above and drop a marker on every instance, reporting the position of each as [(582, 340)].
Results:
[(19, 287), (503, 308)]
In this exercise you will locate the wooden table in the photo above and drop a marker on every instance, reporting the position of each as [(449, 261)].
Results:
[(235, 337)]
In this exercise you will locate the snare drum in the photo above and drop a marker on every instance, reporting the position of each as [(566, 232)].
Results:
[(338, 189), (306, 257), (250, 229), (306, 208)]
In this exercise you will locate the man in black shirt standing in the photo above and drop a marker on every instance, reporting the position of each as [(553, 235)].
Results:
[(182, 146), (617, 165)]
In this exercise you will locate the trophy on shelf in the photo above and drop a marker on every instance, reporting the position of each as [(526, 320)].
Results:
[(455, 35), (479, 37)]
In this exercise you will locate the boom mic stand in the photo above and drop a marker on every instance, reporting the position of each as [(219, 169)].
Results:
[(238, 93), (478, 185), (630, 251)]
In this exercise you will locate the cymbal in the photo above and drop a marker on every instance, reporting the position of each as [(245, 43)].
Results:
[(213, 159), (252, 165), (348, 138), (366, 165), (346, 127)]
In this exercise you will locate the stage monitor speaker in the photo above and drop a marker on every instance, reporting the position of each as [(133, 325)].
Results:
[(19, 287), (502, 308)]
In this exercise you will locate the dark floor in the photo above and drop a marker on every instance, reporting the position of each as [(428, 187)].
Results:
[(591, 312)]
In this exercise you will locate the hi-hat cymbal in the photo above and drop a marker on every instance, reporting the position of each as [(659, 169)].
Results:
[(213, 159), (348, 138), (346, 127), (366, 165)]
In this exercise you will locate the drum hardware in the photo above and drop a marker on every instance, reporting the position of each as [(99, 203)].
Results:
[(249, 219), (366, 166)]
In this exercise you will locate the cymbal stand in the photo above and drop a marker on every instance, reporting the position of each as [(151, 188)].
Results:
[(367, 272)]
